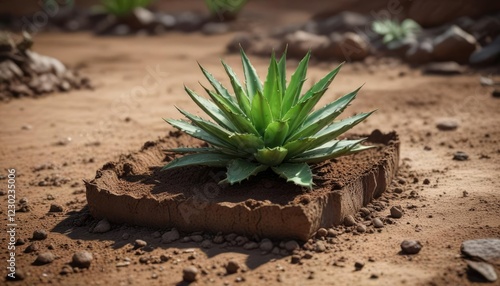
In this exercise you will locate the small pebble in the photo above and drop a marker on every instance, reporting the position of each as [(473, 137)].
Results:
[(447, 125), (125, 236), (82, 259), (102, 226), (189, 274), (487, 271), (18, 276), (292, 245), (206, 244), (411, 246), (44, 258), (361, 228), (496, 93), (320, 246), (460, 156), (250, 245), (349, 220), (170, 236), (138, 243), (426, 181), (31, 248), (232, 267), (295, 259), (322, 232), (358, 265), (266, 245), (40, 234), (56, 208), (396, 212), (377, 223)]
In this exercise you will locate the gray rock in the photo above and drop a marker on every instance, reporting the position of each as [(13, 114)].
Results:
[(361, 228), (292, 245), (443, 68), (32, 248), (486, 55), (411, 246), (250, 245), (396, 212), (190, 21), (352, 47), (44, 258), (266, 245), (244, 40), (218, 239), (82, 259), (420, 52), (190, 274), (196, 238), (320, 246), (206, 244), (454, 45), (377, 223), (102, 226), (484, 269), (487, 249), (460, 156), (342, 22), (447, 124), (232, 267), (300, 42), (167, 21), (170, 236), (349, 220), (214, 28), (40, 234)]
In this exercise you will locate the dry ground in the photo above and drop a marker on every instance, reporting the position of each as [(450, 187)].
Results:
[(139, 80)]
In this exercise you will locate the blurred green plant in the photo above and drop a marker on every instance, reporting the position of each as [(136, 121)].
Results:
[(123, 7), (270, 125), (394, 31), (225, 9)]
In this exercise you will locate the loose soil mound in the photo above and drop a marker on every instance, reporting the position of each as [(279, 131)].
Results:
[(134, 190)]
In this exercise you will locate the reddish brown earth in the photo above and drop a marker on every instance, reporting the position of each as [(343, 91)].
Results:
[(460, 202)]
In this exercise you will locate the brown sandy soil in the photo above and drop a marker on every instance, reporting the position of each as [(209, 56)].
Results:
[(126, 109)]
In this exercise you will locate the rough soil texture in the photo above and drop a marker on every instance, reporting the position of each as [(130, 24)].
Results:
[(458, 201), (265, 205)]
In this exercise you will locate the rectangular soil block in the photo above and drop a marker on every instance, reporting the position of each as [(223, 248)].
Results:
[(135, 191)]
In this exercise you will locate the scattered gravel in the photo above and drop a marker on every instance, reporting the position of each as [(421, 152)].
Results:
[(232, 267), (40, 234), (190, 274), (411, 246), (82, 259)]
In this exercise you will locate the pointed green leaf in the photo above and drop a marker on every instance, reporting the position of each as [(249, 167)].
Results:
[(271, 156), (248, 143), (298, 146), (261, 113), (198, 133), (298, 113), (298, 173), (293, 90), (193, 150), (322, 84), (272, 90), (241, 96), (212, 160), (239, 170), (275, 133), (221, 90), (324, 116), (211, 110), (251, 78), (282, 73), (341, 148)]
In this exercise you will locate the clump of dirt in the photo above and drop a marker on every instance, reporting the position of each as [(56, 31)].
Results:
[(27, 73)]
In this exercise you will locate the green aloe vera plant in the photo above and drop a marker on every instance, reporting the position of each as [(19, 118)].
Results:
[(394, 31), (270, 125)]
